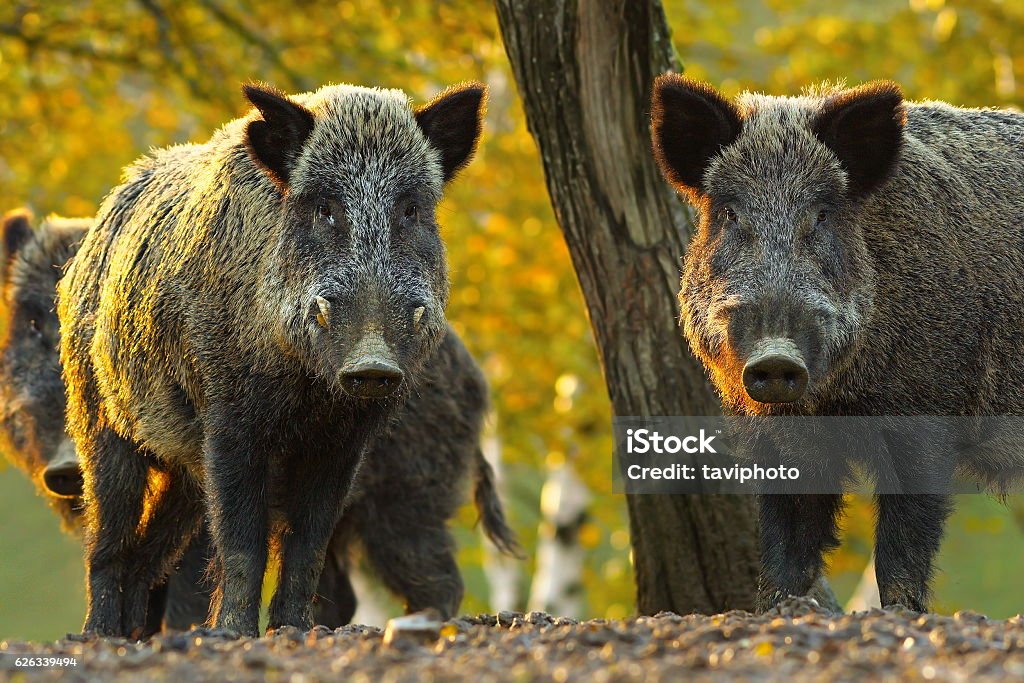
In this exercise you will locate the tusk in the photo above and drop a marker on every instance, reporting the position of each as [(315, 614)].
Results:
[(324, 316), (416, 315)]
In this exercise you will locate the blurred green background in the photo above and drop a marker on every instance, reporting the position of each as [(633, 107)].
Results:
[(88, 86)]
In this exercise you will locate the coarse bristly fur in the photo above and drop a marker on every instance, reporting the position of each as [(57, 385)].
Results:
[(881, 240), (409, 486), (238, 321)]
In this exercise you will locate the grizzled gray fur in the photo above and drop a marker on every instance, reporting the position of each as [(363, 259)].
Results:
[(243, 319), (409, 486), (856, 255)]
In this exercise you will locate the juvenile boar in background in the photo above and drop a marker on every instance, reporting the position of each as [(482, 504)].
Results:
[(32, 399), (409, 487), (856, 254), (31, 391), (411, 484), (244, 317)]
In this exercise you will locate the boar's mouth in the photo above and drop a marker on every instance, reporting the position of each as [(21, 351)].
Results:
[(775, 372)]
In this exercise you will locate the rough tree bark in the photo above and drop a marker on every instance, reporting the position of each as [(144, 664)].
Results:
[(584, 70)]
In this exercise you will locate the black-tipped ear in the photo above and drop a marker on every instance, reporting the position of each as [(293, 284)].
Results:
[(864, 127), (17, 232), (690, 123), (275, 142), (452, 122)]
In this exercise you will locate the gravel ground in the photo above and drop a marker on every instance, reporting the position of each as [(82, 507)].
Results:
[(797, 641)]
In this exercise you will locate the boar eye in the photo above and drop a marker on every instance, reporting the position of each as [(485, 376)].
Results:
[(412, 213), (730, 215), (822, 217), (323, 213)]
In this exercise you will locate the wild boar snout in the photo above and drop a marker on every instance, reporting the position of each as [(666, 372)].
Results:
[(63, 475), (371, 371), (775, 372)]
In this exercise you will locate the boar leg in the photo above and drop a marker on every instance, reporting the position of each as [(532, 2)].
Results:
[(412, 554), (316, 487), (115, 487), (168, 606), (155, 607), (908, 534), (335, 602), (908, 531), (174, 516), (236, 482), (189, 588), (796, 532)]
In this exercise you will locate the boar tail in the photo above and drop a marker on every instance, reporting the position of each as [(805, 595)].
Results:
[(492, 515)]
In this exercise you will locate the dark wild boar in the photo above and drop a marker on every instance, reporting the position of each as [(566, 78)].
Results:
[(856, 255), (244, 317)]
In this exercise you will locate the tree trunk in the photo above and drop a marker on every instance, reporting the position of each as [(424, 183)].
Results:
[(585, 70)]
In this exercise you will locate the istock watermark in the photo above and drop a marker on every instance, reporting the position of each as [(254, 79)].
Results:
[(642, 441), (934, 455), (652, 442)]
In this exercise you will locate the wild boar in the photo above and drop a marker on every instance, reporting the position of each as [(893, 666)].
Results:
[(243, 319), (856, 255)]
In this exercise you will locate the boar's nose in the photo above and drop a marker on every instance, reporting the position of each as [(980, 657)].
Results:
[(63, 480), (62, 476), (372, 371), (371, 378), (775, 372)]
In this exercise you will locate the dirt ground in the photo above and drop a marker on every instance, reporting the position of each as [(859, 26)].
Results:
[(796, 642)]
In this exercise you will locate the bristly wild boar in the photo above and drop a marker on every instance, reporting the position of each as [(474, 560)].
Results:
[(243, 318), (408, 488), (856, 255)]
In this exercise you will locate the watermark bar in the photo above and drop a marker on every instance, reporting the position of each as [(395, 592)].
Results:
[(921, 455)]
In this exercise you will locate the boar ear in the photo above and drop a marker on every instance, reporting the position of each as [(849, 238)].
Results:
[(275, 141), (17, 232), (452, 122), (690, 123), (864, 128)]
